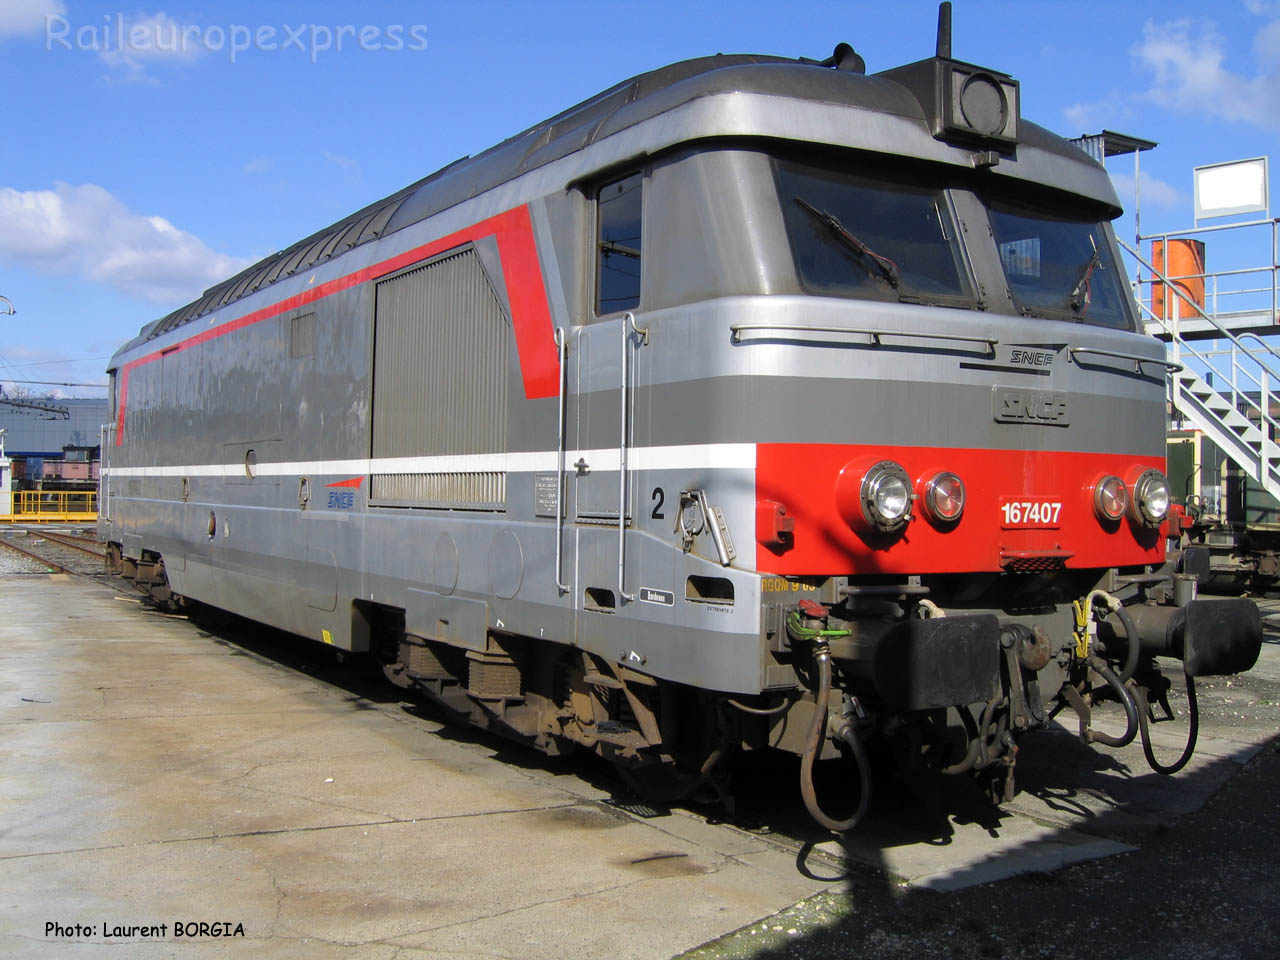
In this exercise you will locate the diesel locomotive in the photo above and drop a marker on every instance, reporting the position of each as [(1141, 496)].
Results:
[(754, 402)]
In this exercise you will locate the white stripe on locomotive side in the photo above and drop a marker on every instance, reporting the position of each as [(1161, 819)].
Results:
[(708, 456)]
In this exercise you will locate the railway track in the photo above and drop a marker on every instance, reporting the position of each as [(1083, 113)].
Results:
[(74, 542), (45, 551)]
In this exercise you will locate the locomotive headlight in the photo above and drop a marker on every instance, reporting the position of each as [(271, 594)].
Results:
[(886, 496), (1151, 498), (1110, 497), (943, 498)]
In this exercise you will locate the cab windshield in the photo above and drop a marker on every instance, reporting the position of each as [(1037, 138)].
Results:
[(857, 235), (1060, 266)]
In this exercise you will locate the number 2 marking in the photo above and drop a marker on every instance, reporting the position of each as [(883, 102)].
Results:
[(659, 499)]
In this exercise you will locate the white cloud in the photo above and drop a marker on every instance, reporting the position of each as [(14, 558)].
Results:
[(341, 161), (1109, 113), (19, 17), (1155, 192), (150, 38), (84, 230), (259, 164), (1186, 60), (1266, 45)]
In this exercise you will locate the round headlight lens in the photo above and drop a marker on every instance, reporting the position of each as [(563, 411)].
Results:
[(1151, 498), (891, 498), (1110, 497), (944, 498), (886, 496)]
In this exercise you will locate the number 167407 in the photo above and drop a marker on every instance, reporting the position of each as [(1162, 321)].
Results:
[(1030, 514)]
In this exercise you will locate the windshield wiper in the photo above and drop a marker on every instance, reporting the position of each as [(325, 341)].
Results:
[(1080, 293), (612, 246), (879, 266)]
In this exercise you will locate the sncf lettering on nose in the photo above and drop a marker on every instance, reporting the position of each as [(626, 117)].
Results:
[(1031, 358), (1013, 405)]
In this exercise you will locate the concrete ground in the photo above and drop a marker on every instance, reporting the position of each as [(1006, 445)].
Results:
[(153, 772), (149, 774)]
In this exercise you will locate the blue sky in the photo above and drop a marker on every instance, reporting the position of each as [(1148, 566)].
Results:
[(132, 179)]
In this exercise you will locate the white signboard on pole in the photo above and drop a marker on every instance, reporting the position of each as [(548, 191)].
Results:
[(1224, 189)]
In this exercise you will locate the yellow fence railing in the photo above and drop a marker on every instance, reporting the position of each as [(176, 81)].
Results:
[(49, 506)]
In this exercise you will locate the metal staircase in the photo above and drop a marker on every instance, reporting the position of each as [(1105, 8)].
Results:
[(1226, 383)]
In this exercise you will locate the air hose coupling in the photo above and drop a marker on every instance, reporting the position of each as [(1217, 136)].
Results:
[(808, 624)]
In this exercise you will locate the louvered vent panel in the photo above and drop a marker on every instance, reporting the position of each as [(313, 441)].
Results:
[(440, 382), (477, 490)]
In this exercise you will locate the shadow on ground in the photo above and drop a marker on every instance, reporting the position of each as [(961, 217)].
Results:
[(1203, 885)]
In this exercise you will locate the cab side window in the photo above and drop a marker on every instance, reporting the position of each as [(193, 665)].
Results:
[(618, 216)]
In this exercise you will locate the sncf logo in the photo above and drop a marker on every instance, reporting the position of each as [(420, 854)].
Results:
[(1031, 358), (1018, 405), (342, 495)]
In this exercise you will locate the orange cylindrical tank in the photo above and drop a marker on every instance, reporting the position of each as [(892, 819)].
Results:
[(1185, 270)]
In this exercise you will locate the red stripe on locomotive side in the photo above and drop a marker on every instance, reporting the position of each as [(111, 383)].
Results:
[(803, 477), (526, 292), (353, 482), (531, 315)]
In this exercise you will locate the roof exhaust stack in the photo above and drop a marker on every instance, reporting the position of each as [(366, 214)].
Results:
[(944, 29), (844, 57)]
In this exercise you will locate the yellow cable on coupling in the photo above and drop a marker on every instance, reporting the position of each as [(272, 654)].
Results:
[(801, 632), (1086, 625), (1082, 629)]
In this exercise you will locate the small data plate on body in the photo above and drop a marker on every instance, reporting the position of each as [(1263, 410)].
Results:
[(544, 494), (664, 597)]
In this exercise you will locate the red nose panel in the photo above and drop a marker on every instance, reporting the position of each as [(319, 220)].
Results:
[(1023, 509)]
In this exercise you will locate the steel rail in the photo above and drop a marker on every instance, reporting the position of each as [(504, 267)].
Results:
[(70, 543), (43, 561)]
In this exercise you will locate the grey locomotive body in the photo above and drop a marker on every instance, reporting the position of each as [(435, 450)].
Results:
[(749, 400)]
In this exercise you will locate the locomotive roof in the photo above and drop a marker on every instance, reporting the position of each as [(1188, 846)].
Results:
[(617, 108)]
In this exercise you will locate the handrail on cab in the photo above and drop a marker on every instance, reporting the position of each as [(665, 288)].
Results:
[(1136, 358), (562, 348), (736, 330), (629, 328)]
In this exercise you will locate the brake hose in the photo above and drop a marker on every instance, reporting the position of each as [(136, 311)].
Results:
[(817, 726), (1193, 733), (1132, 715), (1131, 641)]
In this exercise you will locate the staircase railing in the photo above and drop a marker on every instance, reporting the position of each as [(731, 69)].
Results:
[(1244, 428)]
